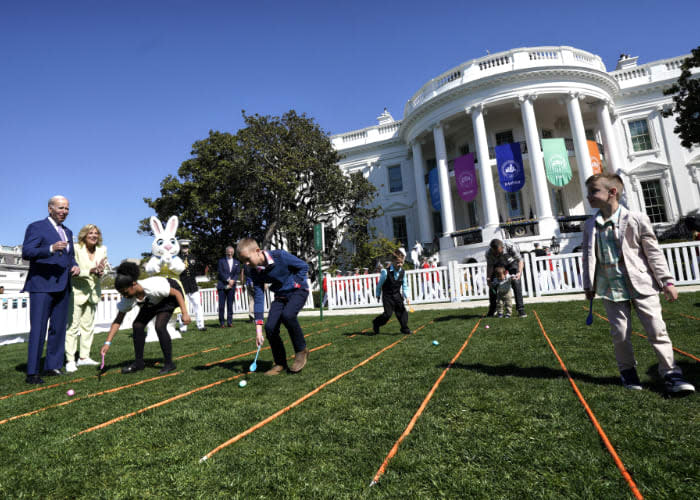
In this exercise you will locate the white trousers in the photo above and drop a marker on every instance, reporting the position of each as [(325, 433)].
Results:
[(195, 309)]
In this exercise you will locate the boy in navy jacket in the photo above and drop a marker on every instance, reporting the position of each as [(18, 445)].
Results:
[(286, 275)]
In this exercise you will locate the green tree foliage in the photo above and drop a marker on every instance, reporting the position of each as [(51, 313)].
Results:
[(272, 180), (686, 97)]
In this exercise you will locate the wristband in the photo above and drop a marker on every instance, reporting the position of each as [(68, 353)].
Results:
[(669, 283), (107, 342)]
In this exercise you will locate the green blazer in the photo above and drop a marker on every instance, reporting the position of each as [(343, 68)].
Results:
[(86, 286)]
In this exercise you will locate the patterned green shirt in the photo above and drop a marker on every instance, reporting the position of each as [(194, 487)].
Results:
[(610, 273)]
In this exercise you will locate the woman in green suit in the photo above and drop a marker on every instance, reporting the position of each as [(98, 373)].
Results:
[(91, 256)]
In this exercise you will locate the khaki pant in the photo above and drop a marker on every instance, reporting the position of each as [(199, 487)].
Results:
[(649, 312), (82, 323)]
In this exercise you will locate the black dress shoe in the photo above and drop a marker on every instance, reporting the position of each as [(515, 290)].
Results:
[(203, 329), (33, 379), (134, 367), (53, 373), (167, 368)]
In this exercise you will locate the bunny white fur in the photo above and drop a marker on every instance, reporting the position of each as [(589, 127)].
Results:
[(165, 247)]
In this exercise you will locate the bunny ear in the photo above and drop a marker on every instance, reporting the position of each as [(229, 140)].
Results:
[(172, 225), (156, 225)]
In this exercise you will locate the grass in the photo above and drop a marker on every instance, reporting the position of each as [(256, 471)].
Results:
[(503, 423)]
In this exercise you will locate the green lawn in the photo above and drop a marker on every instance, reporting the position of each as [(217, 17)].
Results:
[(503, 423)]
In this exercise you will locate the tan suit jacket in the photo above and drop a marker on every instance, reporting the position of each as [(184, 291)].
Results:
[(86, 286), (645, 262)]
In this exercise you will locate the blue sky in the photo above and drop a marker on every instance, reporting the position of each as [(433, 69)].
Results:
[(100, 100)]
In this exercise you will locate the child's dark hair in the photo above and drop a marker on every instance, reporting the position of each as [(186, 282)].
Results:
[(127, 273)]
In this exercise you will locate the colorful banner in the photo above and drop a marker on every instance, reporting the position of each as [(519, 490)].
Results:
[(594, 153), (511, 174), (465, 176), (556, 161), (434, 188)]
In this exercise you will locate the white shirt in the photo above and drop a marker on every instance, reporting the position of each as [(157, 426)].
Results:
[(156, 289), (55, 226)]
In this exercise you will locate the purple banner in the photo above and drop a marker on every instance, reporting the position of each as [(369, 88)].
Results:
[(510, 167), (465, 175)]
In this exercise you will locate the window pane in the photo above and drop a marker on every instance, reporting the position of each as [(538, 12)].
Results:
[(504, 137), (654, 201), (400, 233), (395, 182), (639, 134)]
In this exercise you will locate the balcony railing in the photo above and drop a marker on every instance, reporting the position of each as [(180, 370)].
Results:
[(571, 223), (467, 236), (520, 228)]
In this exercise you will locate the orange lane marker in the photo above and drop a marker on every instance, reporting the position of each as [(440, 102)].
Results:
[(108, 391), (272, 417), (594, 420), (421, 408), (170, 400), (644, 337), (43, 388)]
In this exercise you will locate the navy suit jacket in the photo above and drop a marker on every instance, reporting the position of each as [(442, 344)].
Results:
[(223, 273), (48, 272)]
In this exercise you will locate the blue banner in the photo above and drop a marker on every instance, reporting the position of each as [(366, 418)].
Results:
[(511, 173), (434, 188)]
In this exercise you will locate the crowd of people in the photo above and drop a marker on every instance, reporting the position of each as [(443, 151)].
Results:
[(622, 264)]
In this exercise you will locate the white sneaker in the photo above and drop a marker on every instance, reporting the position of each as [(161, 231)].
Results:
[(71, 367), (87, 362)]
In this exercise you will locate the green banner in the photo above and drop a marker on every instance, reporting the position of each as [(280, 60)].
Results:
[(556, 161)]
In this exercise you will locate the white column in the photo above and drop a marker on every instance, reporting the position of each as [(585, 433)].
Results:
[(488, 192), (425, 221), (612, 153), (447, 212), (548, 226), (583, 159)]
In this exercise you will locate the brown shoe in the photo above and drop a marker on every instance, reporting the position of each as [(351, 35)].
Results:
[(299, 361), (275, 370)]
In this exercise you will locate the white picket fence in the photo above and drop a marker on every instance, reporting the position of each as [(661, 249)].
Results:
[(546, 275), (14, 311)]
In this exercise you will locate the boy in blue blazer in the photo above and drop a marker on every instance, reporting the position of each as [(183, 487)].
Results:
[(286, 275)]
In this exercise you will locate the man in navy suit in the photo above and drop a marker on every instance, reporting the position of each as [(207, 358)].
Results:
[(228, 270), (48, 246)]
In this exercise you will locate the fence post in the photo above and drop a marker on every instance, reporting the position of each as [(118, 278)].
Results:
[(452, 280), (531, 273)]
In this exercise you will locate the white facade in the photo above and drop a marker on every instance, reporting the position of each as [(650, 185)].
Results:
[(524, 95)]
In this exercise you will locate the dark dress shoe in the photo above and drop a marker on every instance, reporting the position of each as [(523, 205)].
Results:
[(33, 379), (229, 325), (134, 367), (167, 368), (203, 329), (222, 326), (53, 373)]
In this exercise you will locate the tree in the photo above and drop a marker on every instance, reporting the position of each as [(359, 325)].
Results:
[(686, 96), (273, 180)]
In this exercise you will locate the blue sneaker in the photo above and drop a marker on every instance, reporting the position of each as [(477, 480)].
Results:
[(675, 383), (630, 379)]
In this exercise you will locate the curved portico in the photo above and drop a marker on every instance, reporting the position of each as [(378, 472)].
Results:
[(509, 87), (523, 96)]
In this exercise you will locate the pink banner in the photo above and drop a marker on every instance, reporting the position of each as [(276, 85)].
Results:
[(465, 175)]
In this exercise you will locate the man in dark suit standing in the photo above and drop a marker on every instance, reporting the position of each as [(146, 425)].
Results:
[(48, 246), (228, 270)]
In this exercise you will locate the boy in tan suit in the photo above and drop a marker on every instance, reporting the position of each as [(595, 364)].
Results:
[(622, 255)]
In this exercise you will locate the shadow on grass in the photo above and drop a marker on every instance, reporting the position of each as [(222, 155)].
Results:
[(238, 366), (458, 316), (691, 372), (150, 363), (542, 372)]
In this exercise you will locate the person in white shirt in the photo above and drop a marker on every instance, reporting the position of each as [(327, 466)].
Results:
[(157, 297)]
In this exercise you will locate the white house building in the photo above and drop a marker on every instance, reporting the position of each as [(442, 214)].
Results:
[(522, 96)]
